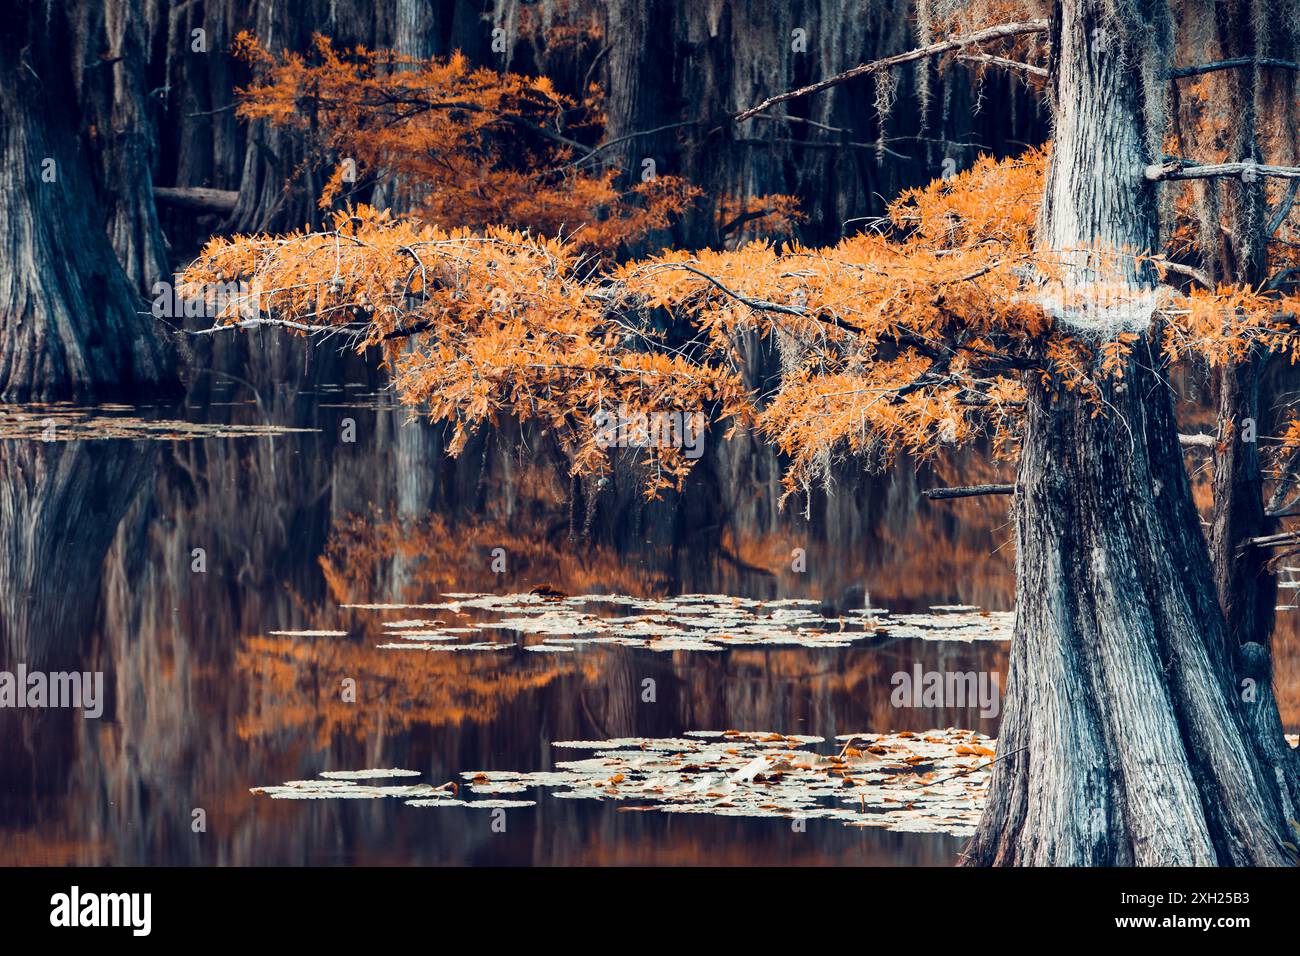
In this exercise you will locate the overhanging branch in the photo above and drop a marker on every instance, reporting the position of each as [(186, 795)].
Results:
[(1002, 31)]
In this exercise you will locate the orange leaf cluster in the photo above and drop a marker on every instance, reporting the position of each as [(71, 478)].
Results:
[(477, 146), (911, 339)]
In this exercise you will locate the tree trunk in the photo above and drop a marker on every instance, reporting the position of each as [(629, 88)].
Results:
[(1247, 589), (69, 316), (1122, 740), (112, 49)]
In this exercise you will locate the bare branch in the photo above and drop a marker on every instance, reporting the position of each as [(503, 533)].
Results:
[(999, 32), (1283, 208), (1002, 61), (1182, 72), (1180, 169), (1190, 271), (279, 323), (197, 197), (967, 491)]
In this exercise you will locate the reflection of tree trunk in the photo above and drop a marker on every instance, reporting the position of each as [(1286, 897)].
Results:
[(60, 505), (68, 313), (1122, 739)]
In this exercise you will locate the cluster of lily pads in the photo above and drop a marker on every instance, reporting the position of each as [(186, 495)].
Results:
[(59, 421), (688, 622), (347, 785), (930, 782)]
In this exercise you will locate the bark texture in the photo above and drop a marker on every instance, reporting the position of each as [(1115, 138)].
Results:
[(1238, 253), (1123, 740), (69, 320)]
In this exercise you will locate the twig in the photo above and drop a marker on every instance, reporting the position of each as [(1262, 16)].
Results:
[(970, 770), (967, 491), (933, 49)]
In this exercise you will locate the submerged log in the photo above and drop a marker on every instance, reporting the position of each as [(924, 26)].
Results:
[(198, 198), (967, 491)]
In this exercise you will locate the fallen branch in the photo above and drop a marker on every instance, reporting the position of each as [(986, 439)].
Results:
[(967, 491), (197, 197), (1182, 170), (1274, 540), (1198, 441), (999, 32)]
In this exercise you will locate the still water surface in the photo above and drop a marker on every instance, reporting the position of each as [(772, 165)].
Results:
[(99, 572)]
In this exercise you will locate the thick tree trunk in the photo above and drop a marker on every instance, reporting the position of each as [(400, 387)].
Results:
[(111, 47), (69, 316), (1122, 739), (1247, 589)]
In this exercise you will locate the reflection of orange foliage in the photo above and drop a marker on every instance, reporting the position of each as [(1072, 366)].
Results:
[(296, 684), (957, 550), (441, 554), (46, 848)]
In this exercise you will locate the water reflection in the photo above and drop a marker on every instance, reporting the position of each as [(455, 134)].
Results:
[(99, 558)]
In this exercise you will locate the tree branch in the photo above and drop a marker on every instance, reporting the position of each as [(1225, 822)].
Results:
[(1190, 271), (999, 32), (1002, 61), (1180, 169), (967, 491), (1283, 208), (1181, 72), (197, 197)]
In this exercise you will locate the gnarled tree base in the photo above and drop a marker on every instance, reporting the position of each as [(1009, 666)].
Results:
[(1124, 740)]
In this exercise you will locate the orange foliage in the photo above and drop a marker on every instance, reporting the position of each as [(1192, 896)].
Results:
[(911, 339), (478, 146)]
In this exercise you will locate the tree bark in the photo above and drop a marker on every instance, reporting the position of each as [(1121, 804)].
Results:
[(1123, 740), (109, 69), (1247, 588), (69, 315)]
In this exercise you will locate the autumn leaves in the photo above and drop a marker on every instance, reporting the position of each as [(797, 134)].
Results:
[(906, 338)]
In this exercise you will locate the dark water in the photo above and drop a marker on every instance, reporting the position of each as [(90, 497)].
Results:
[(98, 539)]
